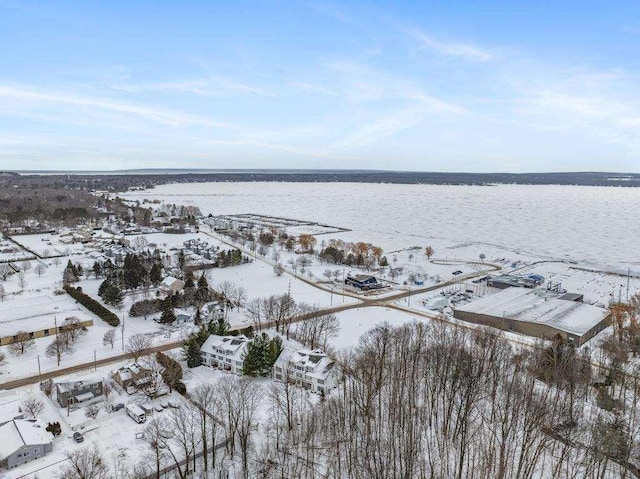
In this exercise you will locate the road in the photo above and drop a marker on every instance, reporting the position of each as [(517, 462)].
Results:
[(363, 302)]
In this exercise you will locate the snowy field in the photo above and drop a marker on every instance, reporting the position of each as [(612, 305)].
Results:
[(592, 225)]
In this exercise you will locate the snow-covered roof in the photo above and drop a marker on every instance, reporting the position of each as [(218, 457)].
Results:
[(314, 362), (169, 281), (20, 432), (72, 385), (538, 306), (230, 346)]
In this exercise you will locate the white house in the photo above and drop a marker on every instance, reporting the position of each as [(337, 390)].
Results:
[(171, 285), (313, 370), (225, 352)]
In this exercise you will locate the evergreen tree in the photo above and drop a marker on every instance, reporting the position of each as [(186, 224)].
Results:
[(103, 287), (192, 345), (112, 295), (219, 327), (155, 275), (197, 319), (273, 352), (188, 280), (202, 294), (97, 269), (168, 316), (255, 359)]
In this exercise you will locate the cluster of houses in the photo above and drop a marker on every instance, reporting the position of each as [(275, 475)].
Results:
[(311, 369), (197, 249)]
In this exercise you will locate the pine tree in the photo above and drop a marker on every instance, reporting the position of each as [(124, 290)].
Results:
[(192, 345), (97, 269), (220, 327), (273, 352), (155, 275), (168, 316), (254, 359), (197, 319), (188, 280), (112, 295)]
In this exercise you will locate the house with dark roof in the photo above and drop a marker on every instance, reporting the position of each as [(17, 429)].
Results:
[(363, 282), (76, 392)]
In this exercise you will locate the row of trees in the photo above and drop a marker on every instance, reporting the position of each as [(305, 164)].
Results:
[(359, 254)]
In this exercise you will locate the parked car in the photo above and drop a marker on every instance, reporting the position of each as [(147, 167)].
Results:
[(457, 272), (78, 437), (117, 406)]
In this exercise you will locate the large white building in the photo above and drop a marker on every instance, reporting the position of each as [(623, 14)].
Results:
[(313, 370), (225, 352)]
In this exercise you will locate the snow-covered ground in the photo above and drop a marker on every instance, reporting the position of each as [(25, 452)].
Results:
[(593, 225)]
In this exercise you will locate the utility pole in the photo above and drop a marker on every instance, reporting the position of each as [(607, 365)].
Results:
[(39, 370), (123, 332), (628, 276), (95, 365)]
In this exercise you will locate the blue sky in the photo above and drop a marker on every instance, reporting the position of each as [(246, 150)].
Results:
[(429, 86)]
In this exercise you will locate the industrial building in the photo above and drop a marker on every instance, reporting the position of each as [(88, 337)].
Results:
[(537, 312)]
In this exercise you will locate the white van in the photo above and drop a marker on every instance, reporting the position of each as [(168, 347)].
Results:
[(136, 413)]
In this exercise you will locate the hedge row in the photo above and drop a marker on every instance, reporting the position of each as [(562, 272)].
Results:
[(92, 305), (148, 306)]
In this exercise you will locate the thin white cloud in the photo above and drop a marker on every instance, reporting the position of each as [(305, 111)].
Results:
[(160, 115), (451, 49), (211, 86)]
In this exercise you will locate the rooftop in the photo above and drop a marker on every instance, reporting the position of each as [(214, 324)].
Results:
[(539, 306), (20, 432)]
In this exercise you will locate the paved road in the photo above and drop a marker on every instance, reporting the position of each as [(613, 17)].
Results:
[(83, 366), (363, 301)]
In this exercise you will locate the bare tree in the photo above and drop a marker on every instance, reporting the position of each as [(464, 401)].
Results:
[(139, 345), (140, 243), (84, 463), (278, 269), (3, 360), (109, 337), (5, 271), (40, 269), (22, 342), (184, 424), (240, 296), (3, 293), (248, 395), (32, 406), (71, 330), (428, 251), (92, 410), (57, 261), (205, 398), (57, 349), (22, 280), (154, 384), (26, 266), (157, 435)]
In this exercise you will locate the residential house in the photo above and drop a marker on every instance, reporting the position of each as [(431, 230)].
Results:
[(23, 441), (313, 370), (225, 352), (363, 282), (171, 285), (75, 392), (132, 377)]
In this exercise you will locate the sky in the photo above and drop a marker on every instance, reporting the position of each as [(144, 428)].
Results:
[(501, 86)]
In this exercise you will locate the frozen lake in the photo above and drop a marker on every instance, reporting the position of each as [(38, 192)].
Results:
[(597, 226)]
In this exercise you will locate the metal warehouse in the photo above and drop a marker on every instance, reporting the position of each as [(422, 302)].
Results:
[(537, 312)]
